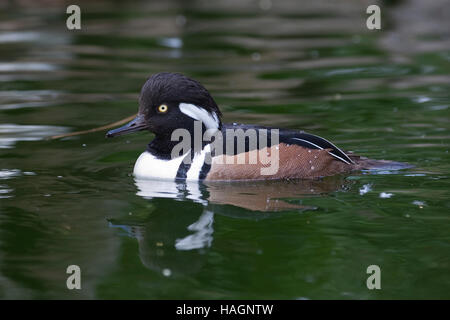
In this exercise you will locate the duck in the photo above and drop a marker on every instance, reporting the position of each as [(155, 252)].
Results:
[(191, 143)]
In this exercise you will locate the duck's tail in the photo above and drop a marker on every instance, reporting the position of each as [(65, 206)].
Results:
[(363, 163)]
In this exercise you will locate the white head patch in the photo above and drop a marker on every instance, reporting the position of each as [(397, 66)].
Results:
[(210, 120)]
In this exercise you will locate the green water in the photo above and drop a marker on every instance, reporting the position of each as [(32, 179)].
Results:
[(307, 65)]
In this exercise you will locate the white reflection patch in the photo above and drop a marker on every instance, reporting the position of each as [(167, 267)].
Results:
[(153, 188), (202, 236), (12, 133)]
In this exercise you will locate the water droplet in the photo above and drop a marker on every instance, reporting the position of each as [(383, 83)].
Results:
[(173, 42), (418, 203), (422, 99), (386, 195), (365, 188)]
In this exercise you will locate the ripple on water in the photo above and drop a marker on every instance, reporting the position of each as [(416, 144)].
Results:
[(26, 66), (5, 174), (10, 134), (5, 191), (11, 173), (15, 99)]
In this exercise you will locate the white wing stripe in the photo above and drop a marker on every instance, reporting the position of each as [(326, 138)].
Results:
[(313, 144), (348, 158), (339, 158)]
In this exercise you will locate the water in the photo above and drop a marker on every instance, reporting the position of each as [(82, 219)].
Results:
[(312, 66)]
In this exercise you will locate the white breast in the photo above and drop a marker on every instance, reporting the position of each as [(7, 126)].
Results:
[(148, 166)]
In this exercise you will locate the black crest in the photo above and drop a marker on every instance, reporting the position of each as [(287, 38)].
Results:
[(174, 88)]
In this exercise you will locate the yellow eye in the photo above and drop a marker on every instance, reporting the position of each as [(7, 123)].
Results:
[(163, 108)]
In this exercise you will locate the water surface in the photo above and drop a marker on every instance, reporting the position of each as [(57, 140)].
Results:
[(310, 65)]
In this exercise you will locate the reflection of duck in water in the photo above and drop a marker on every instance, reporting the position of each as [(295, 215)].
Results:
[(263, 196), (171, 102), (173, 233)]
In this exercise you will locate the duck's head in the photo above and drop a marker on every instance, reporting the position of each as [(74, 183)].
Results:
[(170, 101)]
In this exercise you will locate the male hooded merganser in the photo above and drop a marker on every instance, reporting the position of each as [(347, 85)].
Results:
[(171, 101)]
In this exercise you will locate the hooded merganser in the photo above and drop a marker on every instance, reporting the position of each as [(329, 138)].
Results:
[(171, 101)]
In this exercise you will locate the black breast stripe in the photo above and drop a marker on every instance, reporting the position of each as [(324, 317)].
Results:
[(184, 168), (206, 167)]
